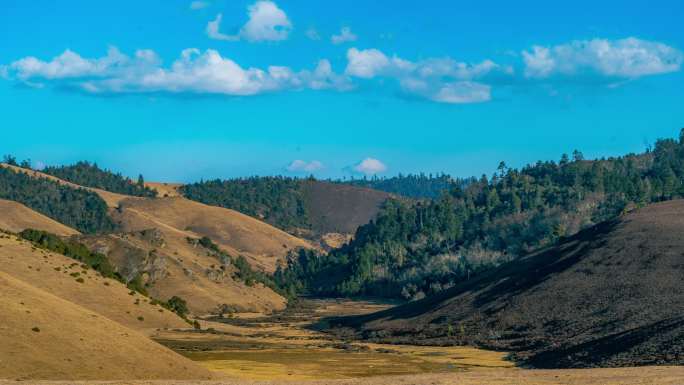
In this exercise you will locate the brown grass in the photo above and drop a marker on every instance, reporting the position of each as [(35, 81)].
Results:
[(46, 337), (17, 217), (622, 376), (262, 244), (165, 189), (57, 274), (177, 268)]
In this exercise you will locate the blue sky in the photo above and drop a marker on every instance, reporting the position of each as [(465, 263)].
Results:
[(182, 90)]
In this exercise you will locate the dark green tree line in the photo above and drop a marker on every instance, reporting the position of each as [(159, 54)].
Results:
[(78, 208), (90, 175), (414, 249)]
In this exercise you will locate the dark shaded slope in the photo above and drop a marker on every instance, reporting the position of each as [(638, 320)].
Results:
[(338, 208), (303, 207), (611, 295)]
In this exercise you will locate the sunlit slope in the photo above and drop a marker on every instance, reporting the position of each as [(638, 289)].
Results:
[(178, 268), (170, 265), (16, 217), (61, 276), (46, 337), (262, 244)]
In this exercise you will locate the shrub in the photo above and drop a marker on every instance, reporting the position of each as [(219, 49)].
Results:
[(177, 305)]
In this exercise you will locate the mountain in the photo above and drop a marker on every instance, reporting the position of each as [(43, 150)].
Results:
[(610, 295)]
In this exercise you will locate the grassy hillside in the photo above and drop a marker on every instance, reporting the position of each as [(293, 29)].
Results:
[(47, 337), (263, 245), (417, 249), (17, 217), (74, 207), (77, 282), (609, 296), (152, 249)]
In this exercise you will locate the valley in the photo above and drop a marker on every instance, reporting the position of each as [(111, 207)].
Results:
[(283, 346), (555, 274)]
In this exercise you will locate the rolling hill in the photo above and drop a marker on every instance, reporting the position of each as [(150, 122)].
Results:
[(68, 279), (44, 336), (17, 217), (610, 295), (171, 263), (304, 207), (339, 208)]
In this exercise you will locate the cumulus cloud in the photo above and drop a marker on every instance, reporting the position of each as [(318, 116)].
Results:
[(370, 166), (366, 63), (266, 22), (304, 166), (214, 33), (194, 72), (462, 92), (68, 64), (624, 58), (345, 35), (442, 80), (196, 5)]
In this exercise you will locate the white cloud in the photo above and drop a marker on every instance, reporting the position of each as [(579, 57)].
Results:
[(68, 64), (266, 22), (624, 58), (214, 33), (194, 72), (196, 5), (442, 80), (366, 63), (462, 92), (313, 34), (303, 166), (345, 35), (370, 166)]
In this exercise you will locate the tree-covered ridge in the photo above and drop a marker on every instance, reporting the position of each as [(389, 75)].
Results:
[(90, 175), (78, 208), (416, 249), (419, 186), (276, 200)]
